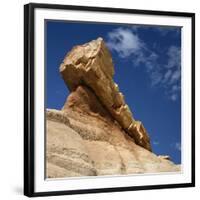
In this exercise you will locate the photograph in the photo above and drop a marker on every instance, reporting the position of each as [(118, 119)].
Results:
[(113, 99), (108, 99)]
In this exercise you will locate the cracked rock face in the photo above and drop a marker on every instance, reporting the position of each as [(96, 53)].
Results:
[(95, 133)]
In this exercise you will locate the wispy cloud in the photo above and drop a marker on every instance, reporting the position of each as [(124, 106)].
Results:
[(172, 76), (124, 41), (178, 146), (155, 143), (162, 30), (128, 44), (174, 54), (166, 30)]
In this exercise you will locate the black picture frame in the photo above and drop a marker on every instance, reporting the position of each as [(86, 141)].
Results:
[(29, 104)]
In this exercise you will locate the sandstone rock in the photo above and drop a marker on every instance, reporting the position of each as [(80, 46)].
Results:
[(95, 133), (90, 146), (91, 65)]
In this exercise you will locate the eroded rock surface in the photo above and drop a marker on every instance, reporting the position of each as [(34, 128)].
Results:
[(91, 65), (95, 133), (83, 139)]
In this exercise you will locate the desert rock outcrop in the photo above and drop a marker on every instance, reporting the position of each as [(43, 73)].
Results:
[(95, 133), (91, 65)]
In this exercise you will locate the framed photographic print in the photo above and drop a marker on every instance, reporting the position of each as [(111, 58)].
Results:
[(108, 99)]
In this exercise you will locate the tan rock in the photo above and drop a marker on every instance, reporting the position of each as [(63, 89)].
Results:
[(91, 65), (95, 133), (89, 145)]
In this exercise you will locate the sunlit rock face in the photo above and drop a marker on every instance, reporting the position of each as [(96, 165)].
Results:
[(95, 133), (91, 65)]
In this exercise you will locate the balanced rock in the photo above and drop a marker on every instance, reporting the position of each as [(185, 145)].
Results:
[(91, 65)]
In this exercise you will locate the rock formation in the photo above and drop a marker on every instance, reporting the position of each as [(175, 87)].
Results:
[(91, 65), (95, 132)]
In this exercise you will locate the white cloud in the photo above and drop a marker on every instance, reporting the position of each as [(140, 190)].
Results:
[(128, 44), (174, 97), (162, 30), (156, 77), (124, 42), (173, 76), (175, 88), (174, 54), (167, 75), (178, 146), (156, 142), (166, 29)]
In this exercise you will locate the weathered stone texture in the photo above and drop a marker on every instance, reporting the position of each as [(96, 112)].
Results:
[(95, 133), (91, 65)]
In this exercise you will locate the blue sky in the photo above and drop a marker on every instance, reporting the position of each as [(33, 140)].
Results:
[(147, 62)]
